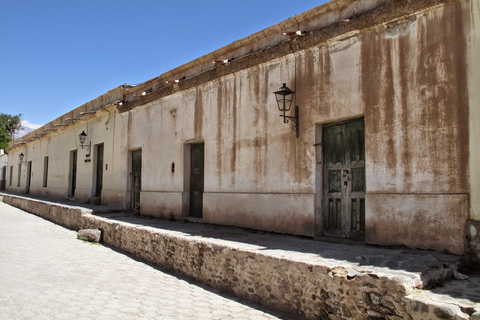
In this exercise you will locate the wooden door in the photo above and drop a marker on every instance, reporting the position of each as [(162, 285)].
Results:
[(4, 178), (73, 173), (196, 180), (344, 180), (99, 171), (29, 177), (136, 181)]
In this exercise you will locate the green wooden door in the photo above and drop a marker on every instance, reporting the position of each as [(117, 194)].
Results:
[(196, 180), (344, 180), (136, 181)]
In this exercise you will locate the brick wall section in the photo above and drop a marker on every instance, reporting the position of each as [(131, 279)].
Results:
[(306, 290)]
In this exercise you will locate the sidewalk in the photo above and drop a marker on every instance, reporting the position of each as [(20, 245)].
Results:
[(48, 274), (313, 279)]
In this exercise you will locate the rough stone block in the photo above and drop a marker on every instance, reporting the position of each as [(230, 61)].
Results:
[(444, 312), (419, 306), (92, 235)]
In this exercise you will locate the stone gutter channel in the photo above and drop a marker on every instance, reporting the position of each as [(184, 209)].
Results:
[(307, 278)]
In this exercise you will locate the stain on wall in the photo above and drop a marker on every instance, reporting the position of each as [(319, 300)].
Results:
[(416, 120), (417, 107), (392, 65)]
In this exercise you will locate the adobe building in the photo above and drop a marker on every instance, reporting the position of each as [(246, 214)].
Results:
[(388, 123)]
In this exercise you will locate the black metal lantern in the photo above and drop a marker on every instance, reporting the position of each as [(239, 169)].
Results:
[(21, 156), (284, 97), (83, 138)]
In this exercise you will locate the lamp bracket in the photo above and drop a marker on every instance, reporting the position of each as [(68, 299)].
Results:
[(295, 120), (88, 147)]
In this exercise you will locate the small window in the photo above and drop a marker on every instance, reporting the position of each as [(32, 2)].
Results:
[(45, 171)]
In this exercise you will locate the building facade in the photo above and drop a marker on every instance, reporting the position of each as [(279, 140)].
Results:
[(386, 148), (3, 169)]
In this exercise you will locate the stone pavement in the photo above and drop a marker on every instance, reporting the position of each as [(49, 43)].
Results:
[(317, 279), (46, 273), (448, 298)]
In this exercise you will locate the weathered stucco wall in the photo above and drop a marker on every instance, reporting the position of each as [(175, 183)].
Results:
[(426, 221), (411, 80), (245, 160), (57, 142), (106, 129), (474, 100), (287, 213), (415, 88), (160, 130), (416, 129)]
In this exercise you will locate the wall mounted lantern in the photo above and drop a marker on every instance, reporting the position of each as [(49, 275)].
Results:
[(21, 156), (83, 137), (284, 98)]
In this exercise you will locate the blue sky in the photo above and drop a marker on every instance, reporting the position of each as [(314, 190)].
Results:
[(56, 55)]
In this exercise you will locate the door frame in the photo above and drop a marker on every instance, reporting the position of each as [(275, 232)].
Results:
[(187, 168), (319, 172)]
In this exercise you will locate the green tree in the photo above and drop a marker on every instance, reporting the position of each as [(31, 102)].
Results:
[(9, 125)]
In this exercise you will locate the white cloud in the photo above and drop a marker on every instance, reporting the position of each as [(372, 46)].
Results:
[(26, 128)]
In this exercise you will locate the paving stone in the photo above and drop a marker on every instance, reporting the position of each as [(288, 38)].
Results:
[(59, 277), (381, 270)]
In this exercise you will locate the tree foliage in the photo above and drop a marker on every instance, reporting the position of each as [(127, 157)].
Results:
[(9, 125)]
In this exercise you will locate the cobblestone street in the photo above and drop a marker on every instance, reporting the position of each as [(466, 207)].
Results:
[(46, 273)]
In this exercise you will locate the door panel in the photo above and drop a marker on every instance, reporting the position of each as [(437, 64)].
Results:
[(196, 180), (344, 180), (334, 181), (358, 179), (333, 157)]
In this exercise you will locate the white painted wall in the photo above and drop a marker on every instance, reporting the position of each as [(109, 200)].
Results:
[(404, 79), (57, 145), (474, 101)]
